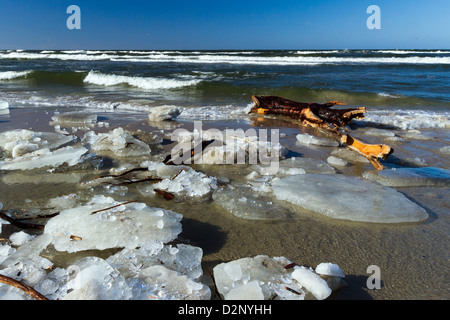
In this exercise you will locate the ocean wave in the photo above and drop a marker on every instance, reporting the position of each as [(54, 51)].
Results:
[(412, 52), (147, 83), (302, 60), (9, 75), (225, 58), (408, 119)]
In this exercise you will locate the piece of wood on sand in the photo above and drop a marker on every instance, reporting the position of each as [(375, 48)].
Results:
[(322, 116)]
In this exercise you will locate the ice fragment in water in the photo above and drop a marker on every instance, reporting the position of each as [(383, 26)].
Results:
[(348, 198), (411, 177), (95, 279), (75, 118), (254, 206), (334, 161), (164, 113), (45, 157), (19, 142), (380, 133), (266, 278), (118, 141), (307, 139), (329, 269), (312, 282), (4, 105)]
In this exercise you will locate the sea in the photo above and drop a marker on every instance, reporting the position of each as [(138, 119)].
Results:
[(407, 87), (406, 94)]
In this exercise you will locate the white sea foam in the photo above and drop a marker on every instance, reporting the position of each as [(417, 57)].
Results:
[(148, 83), (409, 119), (8, 75)]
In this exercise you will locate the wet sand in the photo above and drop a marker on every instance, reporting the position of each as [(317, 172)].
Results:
[(413, 257)]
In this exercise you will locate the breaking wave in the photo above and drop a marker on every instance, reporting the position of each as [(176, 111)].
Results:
[(8, 75), (147, 83)]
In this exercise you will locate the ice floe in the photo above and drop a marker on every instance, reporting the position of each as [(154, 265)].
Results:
[(411, 177), (124, 225), (348, 198)]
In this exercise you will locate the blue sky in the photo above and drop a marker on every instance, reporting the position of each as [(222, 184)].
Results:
[(224, 24)]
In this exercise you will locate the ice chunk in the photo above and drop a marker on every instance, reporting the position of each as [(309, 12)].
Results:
[(329, 269), (28, 250), (118, 141), (263, 277), (164, 113), (232, 146), (159, 282), (19, 238), (4, 105), (95, 279), (312, 282), (122, 226), (298, 165), (349, 155), (185, 259), (21, 141), (45, 157), (307, 139), (445, 150), (380, 133), (75, 118), (269, 274), (249, 291), (411, 177), (348, 198), (254, 206), (182, 181), (334, 161)]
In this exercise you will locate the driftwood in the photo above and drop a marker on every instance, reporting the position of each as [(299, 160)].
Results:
[(324, 117), (19, 224), (27, 289)]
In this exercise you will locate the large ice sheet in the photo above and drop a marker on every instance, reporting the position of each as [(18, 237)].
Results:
[(127, 226), (348, 198), (411, 177)]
